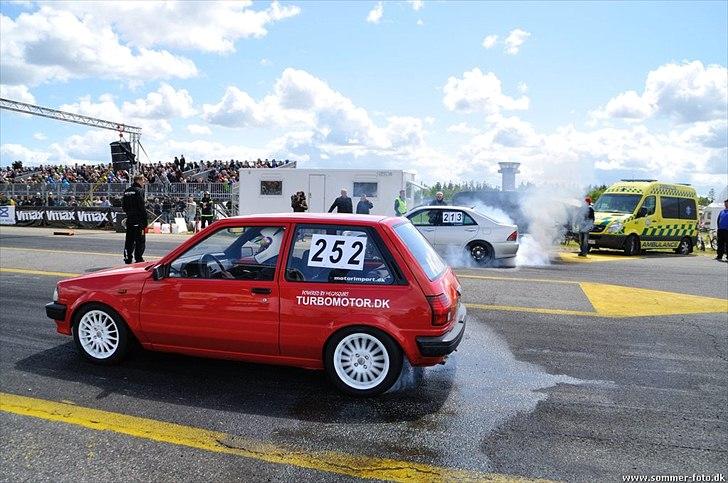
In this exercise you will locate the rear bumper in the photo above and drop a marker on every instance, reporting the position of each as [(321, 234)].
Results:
[(505, 250), (56, 311), (446, 343)]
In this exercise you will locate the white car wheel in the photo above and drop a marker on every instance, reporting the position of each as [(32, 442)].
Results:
[(361, 361), (98, 334)]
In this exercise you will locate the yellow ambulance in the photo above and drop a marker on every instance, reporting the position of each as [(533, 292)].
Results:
[(643, 214)]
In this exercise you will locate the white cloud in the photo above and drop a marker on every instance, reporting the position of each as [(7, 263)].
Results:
[(462, 128), (376, 13), (17, 152), (416, 4), (235, 109), (265, 62), (711, 134), (206, 26), (522, 87), (685, 93), (696, 155), (39, 136), (420, 22), (478, 91), (165, 102), (51, 44), (515, 40), (131, 113), (199, 129), (628, 105), (320, 123), (489, 41), (19, 93)]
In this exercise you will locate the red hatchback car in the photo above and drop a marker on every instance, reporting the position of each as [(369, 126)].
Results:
[(351, 294)]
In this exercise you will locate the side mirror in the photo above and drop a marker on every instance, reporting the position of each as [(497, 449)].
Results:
[(158, 272), (642, 212)]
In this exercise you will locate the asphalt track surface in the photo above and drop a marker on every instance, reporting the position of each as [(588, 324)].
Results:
[(545, 385)]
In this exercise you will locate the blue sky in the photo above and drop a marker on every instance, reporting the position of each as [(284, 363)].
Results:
[(413, 87)]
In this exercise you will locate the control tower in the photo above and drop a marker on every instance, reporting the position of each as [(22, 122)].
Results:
[(509, 171)]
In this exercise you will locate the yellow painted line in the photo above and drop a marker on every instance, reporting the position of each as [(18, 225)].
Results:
[(616, 301), (518, 279), (594, 257), (619, 301), (43, 273), (44, 250), (535, 310), (357, 466)]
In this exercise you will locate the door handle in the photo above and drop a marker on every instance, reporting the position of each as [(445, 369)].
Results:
[(261, 290), (471, 229), (428, 229)]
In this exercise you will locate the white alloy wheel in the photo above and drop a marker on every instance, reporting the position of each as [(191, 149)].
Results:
[(361, 361), (98, 334)]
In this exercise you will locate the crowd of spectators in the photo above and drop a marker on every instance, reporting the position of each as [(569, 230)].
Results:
[(177, 171)]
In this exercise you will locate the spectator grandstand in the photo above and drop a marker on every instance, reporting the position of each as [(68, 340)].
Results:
[(178, 171)]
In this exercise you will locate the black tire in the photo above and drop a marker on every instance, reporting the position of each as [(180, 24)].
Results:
[(685, 247), (114, 324), (481, 253), (632, 246), (393, 352)]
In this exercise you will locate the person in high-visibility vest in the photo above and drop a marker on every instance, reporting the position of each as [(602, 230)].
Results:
[(400, 204)]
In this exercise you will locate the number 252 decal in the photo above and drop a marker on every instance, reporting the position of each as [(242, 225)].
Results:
[(334, 251)]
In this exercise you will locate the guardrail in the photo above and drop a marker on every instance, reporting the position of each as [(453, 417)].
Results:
[(218, 191)]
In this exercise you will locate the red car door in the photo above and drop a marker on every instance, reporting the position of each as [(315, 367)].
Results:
[(337, 274), (220, 295)]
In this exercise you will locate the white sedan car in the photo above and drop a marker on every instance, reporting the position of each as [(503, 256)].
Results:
[(463, 233)]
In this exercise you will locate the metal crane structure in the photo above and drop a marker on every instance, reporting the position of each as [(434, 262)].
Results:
[(134, 132)]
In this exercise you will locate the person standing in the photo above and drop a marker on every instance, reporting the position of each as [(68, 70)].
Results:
[(585, 222), (400, 204), (722, 223), (342, 204), (439, 199), (298, 202), (207, 210), (136, 220), (364, 205), (191, 212)]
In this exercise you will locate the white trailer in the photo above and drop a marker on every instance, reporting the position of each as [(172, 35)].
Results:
[(270, 190)]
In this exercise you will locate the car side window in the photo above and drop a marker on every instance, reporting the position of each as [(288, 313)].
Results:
[(425, 218), (647, 208), (687, 209), (670, 207), (337, 254), (240, 253)]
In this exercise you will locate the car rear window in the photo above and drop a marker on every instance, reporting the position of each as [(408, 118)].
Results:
[(426, 256)]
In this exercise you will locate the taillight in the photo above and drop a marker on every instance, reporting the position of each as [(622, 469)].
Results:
[(441, 308), (513, 236)]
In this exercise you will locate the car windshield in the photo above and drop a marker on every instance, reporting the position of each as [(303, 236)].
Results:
[(613, 203), (426, 256)]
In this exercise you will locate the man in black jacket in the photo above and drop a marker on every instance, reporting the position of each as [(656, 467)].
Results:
[(207, 210), (364, 205), (342, 203), (136, 220)]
